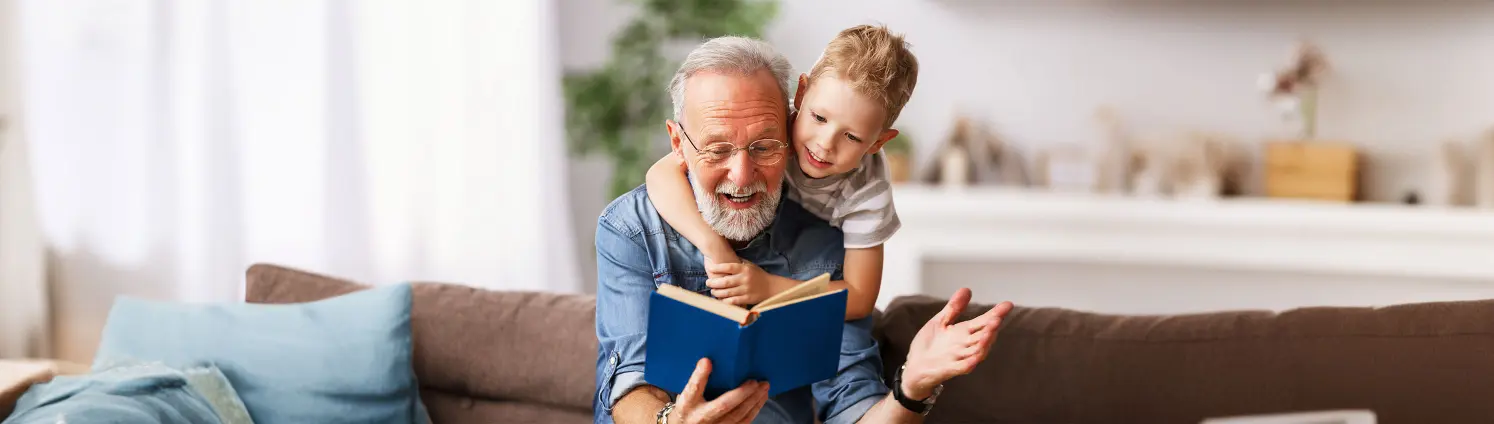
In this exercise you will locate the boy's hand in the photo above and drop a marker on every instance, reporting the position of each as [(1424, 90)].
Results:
[(739, 284), (725, 257)]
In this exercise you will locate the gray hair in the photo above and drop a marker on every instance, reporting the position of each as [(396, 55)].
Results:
[(730, 54)]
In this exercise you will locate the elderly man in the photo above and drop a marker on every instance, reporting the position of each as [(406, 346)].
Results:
[(732, 92)]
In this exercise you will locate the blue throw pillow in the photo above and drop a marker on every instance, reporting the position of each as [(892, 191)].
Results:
[(345, 359)]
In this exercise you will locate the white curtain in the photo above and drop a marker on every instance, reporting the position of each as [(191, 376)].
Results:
[(24, 313), (176, 142)]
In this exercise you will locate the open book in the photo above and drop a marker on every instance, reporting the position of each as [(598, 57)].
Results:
[(789, 340)]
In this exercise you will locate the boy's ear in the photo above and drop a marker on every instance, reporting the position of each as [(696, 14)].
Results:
[(887, 135), (674, 138), (799, 91)]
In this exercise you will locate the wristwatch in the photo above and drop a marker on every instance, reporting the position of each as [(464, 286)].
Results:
[(920, 407), (663, 416)]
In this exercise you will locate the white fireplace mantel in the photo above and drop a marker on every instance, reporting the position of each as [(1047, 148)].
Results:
[(987, 224)]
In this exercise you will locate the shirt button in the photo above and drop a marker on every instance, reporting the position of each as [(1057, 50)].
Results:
[(612, 361)]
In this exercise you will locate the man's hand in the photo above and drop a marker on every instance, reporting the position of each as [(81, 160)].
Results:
[(943, 349), (741, 283), (740, 405)]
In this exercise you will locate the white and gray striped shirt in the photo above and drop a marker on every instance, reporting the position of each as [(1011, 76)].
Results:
[(858, 202)]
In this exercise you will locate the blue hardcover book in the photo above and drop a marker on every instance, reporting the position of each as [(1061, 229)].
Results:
[(790, 340)]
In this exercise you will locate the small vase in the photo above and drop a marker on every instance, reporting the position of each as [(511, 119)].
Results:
[(955, 168), (1484, 173), (1309, 112), (1450, 182)]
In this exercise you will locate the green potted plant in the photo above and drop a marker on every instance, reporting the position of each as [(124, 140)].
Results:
[(899, 154), (618, 110)]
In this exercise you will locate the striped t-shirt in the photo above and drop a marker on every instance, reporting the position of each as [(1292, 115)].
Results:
[(858, 202)]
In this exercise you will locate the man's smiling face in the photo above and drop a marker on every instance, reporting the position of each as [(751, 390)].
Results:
[(737, 196)]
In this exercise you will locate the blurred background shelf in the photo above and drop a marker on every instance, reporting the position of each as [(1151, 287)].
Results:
[(1391, 244)]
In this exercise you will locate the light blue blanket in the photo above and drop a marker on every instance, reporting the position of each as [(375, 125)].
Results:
[(132, 393)]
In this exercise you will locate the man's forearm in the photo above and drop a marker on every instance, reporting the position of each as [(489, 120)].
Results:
[(889, 411), (640, 406)]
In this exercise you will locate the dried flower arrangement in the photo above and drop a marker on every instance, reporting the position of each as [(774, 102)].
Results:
[(1295, 87)]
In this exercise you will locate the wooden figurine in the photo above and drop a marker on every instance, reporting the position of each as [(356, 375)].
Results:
[(974, 154), (1191, 166), (952, 164), (1115, 156)]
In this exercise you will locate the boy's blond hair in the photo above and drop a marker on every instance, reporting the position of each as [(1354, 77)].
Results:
[(875, 62)]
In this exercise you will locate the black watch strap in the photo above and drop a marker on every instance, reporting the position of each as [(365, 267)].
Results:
[(918, 406)]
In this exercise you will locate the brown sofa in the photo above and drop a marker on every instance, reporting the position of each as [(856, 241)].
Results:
[(488, 356)]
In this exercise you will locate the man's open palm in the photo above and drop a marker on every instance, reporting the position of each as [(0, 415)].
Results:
[(943, 349)]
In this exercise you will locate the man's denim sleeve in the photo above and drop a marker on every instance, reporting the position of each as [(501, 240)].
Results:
[(624, 283), (858, 386)]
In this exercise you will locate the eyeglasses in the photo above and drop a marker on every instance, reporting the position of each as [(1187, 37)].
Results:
[(763, 152)]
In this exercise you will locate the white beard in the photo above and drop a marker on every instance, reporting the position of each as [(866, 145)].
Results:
[(736, 224)]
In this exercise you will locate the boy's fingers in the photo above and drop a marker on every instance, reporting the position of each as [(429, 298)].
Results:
[(724, 268), (738, 300), (722, 282), (726, 294)]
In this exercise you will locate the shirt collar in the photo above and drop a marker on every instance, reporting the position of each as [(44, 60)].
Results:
[(785, 222)]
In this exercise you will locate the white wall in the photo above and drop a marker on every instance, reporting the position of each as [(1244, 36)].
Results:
[(1406, 73)]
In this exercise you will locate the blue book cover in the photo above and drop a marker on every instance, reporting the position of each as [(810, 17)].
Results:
[(790, 340)]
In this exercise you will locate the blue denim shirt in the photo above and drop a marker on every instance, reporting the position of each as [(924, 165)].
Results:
[(637, 251)]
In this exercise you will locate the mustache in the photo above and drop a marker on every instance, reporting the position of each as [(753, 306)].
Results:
[(730, 188)]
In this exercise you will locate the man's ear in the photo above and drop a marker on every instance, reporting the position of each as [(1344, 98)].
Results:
[(799, 91), (674, 139), (887, 135)]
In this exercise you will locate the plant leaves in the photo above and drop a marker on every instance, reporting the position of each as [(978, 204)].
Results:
[(618, 110)]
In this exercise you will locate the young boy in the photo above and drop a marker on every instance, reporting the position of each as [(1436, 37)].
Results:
[(845, 108)]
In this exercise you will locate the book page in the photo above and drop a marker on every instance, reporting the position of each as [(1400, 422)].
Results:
[(794, 301), (807, 289), (706, 303)]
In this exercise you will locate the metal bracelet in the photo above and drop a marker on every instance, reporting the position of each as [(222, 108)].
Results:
[(663, 416)]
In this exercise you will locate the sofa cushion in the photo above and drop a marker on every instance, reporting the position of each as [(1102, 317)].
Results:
[(513, 346), (17, 376), (343, 359), (1428, 362), (455, 408), (142, 392)]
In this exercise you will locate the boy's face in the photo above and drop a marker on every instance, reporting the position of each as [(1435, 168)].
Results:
[(836, 126)]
